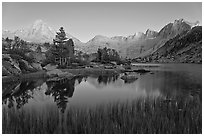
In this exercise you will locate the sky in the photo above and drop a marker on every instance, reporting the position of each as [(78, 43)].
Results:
[(85, 20)]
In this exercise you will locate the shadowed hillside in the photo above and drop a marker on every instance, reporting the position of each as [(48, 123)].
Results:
[(186, 48)]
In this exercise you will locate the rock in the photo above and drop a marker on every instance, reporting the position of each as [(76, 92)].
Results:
[(13, 66), (141, 71), (130, 77), (7, 58), (10, 67), (50, 67), (38, 57), (37, 66), (25, 66)]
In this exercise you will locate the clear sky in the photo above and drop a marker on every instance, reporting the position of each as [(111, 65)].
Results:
[(85, 20)]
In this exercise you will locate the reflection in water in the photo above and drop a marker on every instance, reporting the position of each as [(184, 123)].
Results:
[(61, 91), (19, 94), (165, 84), (107, 79), (22, 92)]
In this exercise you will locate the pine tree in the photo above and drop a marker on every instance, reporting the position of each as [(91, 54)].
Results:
[(60, 38), (62, 49)]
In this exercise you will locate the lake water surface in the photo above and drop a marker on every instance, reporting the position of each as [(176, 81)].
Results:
[(168, 81)]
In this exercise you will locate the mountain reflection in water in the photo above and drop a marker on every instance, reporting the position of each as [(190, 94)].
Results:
[(93, 90)]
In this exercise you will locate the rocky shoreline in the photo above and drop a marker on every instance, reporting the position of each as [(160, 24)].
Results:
[(56, 74)]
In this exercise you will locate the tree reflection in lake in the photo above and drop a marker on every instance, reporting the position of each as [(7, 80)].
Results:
[(160, 84), (107, 79), (61, 91), (20, 93)]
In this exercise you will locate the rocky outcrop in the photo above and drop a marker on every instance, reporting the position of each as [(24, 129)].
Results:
[(29, 67), (9, 69), (39, 57), (25, 66), (36, 66), (50, 67), (12, 66), (9, 66)]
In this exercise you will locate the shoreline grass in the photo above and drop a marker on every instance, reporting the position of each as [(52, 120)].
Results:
[(144, 116)]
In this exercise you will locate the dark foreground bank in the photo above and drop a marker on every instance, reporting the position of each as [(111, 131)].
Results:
[(144, 116)]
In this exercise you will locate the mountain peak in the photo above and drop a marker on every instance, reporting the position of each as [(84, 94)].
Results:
[(98, 37), (150, 33), (192, 24), (179, 20), (38, 21)]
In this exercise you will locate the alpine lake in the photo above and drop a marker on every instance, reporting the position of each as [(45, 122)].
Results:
[(168, 99)]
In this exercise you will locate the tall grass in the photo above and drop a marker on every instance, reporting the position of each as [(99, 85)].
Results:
[(141, 116)]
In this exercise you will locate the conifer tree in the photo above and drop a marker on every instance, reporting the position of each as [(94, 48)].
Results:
[(62, 48), (60, 38)]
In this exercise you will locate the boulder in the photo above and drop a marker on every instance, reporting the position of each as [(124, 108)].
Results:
[(37, 66), (141, 71), (50, 67), (25, 66), (38, 57), (9, 66), (129, 77), (14, 63), (13, 66)]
